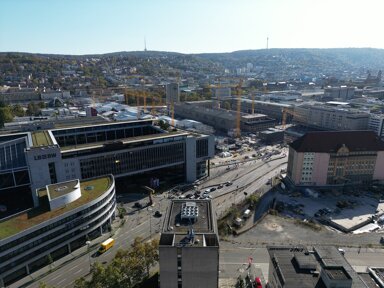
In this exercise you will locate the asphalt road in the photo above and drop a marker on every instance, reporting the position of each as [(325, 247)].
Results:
[(233, 260), (249, 176), (137, 225)]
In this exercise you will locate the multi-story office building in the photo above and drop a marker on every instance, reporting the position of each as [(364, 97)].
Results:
[(271, 109), (337, 157), (341, 93), (172, 93), (328, 117), (296, 266), (223, 120), (66, 216), (189, 246), (136, 149), (376, 124)]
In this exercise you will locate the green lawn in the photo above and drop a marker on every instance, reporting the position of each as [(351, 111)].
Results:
[(40, 214)]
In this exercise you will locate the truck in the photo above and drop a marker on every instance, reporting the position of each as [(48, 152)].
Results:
[(106, 245)]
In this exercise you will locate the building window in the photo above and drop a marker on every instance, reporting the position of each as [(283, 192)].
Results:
[(52, 172)]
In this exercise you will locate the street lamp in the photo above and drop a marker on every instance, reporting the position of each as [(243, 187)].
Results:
[(89, 254)]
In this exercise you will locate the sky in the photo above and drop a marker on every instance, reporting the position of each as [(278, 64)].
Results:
[(187, 26)]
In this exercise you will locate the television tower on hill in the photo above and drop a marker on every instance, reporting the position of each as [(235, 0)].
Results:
[(145, 44)]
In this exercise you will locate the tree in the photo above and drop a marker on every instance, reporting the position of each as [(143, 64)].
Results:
[(5, 115), (33, 109), (227, 105), (146, 251), (45, 285), (17, 110), (129, 267), (164, 124)]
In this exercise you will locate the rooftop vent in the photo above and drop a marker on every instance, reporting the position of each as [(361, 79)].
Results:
[(190, 211)]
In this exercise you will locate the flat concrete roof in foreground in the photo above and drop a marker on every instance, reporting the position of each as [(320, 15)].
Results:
[(203, 224)]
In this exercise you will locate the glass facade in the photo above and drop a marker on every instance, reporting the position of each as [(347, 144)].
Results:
[(86, 135), (133, 161), (13, 164)]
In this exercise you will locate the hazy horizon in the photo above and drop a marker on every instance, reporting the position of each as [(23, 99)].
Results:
[(89, 27)]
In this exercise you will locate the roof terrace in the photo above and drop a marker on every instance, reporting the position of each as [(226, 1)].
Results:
[(38, 215)]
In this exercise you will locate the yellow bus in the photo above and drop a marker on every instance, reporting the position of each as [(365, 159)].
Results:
[(106, 245)]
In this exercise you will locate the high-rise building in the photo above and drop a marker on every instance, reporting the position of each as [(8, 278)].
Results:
[(189, 246), (172, 93)]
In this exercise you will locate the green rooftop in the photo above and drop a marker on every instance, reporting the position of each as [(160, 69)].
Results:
[(90, 190), (41, 138)]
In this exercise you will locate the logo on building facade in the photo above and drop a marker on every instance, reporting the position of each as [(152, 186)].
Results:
[(45, 156)]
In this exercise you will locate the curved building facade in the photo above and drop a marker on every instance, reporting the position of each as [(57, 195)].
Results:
[(33, 238)]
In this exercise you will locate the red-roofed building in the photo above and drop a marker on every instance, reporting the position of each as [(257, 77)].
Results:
[(336, 157)]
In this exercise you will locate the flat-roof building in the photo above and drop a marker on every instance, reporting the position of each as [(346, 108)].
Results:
[(223, 120), (66, 216), (330, 117), (336, 157), (189, 246), (34, 159), (322, 267)]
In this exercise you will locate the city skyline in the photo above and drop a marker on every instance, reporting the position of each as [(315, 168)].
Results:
[(97, 27)]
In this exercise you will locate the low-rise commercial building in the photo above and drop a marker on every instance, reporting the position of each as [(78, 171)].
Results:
[(337, 157), (322, 267), (189, 246), (66, 216)]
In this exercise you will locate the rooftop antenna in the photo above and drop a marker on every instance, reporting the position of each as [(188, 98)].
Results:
[(267, 42), (145, 44)]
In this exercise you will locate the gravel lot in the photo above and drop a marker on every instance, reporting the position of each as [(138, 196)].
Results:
[(276, 230)]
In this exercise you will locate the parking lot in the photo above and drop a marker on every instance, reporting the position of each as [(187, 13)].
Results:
[(344, 211)]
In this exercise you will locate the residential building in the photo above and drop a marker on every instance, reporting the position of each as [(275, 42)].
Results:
[(172, 93), (322, 267), (336, 157), (189, 246), (66, 216)]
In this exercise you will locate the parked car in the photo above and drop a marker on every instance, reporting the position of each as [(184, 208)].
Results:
[(138, 205), (158, 214)]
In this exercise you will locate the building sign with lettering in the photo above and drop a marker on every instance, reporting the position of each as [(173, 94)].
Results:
[(45, 156)]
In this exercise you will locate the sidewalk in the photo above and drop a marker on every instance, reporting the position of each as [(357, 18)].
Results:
[(46, 270)]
